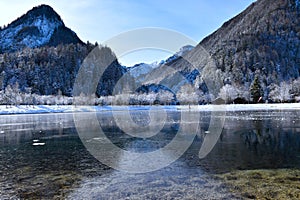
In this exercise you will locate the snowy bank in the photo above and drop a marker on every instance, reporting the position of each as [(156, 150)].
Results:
[(38, 109), (242, 107)]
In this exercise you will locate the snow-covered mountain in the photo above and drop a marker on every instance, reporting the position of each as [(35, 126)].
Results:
[(38, 53), (141, 69), (257, 52), (41, 26), (142, 72), (183, 51)]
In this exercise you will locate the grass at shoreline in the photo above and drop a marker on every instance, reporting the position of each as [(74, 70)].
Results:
[(264, 184)]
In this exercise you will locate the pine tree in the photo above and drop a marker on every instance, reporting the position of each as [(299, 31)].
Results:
[(256, 90)]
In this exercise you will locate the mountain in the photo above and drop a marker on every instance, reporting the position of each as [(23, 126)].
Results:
[(182, 52), (41, 26), (140, 72), (253, 57), (40, 55), (142, 69), (260, 46), (264, 39)]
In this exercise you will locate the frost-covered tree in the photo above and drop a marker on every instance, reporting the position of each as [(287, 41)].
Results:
[(285, 91), (281, 93), (228, 93), (165, 97), (187, 95), (12, 95)]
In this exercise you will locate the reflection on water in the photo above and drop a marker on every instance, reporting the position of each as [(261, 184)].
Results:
[(258, 140), (63, 168), (16, 129)]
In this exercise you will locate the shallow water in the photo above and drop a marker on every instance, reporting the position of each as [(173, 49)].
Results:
[(61, 167)]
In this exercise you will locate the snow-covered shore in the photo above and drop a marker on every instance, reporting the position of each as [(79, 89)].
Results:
[(242, 107), (39, 109)]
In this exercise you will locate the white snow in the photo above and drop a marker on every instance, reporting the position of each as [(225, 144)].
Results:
[(142, 69), (45, 26), (38, 144), (183, 51), (242, 107), (22, 109), (4, 110)]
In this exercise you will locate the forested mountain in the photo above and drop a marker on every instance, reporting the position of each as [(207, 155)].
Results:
[(262, 41), (52, 70), (42, 56), (254, 57), (260, 46)]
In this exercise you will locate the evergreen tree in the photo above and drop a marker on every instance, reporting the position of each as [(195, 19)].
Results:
[(256, 90)]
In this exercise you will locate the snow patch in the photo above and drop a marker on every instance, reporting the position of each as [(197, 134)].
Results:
[(72, 109), (242, 107), (182, 52), (142, 69), (46, 27)]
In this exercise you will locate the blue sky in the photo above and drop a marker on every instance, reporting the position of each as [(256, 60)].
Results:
[(100, 20)]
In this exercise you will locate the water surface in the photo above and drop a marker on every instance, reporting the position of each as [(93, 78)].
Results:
[(61, 167)]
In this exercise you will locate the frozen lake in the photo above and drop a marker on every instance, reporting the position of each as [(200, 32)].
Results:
[(42, 155)]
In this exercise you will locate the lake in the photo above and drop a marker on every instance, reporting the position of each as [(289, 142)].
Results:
[(43, 155)]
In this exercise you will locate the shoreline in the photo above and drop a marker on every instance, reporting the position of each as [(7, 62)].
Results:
[(42, 109)]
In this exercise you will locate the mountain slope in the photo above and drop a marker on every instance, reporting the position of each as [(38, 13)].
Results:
[(263, 41), (40, 55), (41, 26), (140, 70)]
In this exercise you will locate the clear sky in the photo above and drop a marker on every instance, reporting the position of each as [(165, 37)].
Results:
[(100, 20)]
